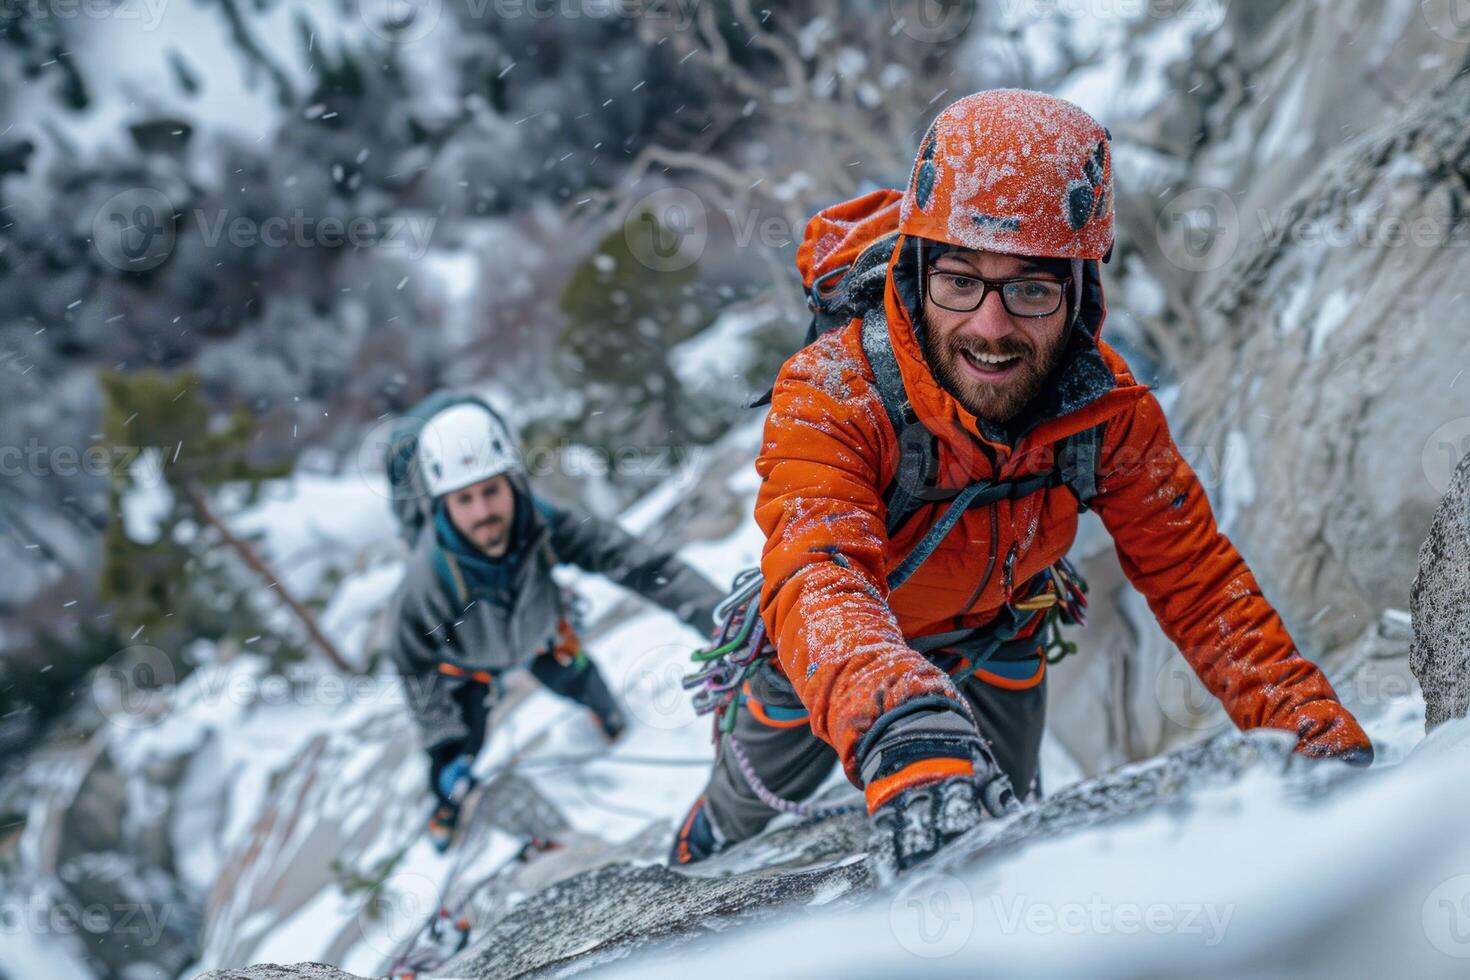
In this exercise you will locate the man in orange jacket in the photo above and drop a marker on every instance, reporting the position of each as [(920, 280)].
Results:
[(993, 312)]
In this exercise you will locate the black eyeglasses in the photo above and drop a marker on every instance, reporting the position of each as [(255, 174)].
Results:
[(963, 292)]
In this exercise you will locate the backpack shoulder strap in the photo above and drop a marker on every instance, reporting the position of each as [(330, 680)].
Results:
[(917, 459), (1077, 461), (449, 575)]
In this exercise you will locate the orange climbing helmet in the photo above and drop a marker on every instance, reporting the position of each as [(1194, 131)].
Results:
[(1014, 171)]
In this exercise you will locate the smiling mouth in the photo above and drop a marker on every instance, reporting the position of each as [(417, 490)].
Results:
[(990, 367)]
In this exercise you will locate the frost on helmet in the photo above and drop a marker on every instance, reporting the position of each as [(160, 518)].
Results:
[(1014, 171)]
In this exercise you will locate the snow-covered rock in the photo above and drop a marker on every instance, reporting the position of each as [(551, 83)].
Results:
[(273, 971), (1303, 216), (1264, 873), (1326, 347), (1440, 604), (1321, 398)]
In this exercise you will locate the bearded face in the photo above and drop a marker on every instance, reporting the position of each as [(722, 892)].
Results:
[(482, 512), (995, 358)]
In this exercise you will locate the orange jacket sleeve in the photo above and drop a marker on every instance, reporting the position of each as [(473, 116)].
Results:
[(824, 602), (1201, 591)]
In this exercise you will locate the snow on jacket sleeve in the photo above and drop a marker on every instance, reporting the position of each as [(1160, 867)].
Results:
[(1204, 596), (824, 601), (418, 634), (603, 547)]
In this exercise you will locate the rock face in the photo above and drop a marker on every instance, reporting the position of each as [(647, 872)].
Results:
[(622, 906), (1306, 233), (1333, 374), (1319, 395), (816, 863), (312, 826), (1440, 605), (98, 839), (272, 971), (629, 900)]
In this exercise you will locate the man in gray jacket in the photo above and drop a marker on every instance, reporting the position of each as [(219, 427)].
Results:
[(478, 598)]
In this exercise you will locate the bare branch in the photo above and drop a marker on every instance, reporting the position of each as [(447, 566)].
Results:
[(257, 564)]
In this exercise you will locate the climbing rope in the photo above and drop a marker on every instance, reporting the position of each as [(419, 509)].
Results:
[(414, 960), (770, 799), (563, 761)]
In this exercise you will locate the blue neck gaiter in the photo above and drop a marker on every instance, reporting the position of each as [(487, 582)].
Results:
[(492, 578)]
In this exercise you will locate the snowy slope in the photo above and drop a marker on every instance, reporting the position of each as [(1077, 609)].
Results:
[(286, 802), (1268, 877), (1203, 879), (278, 897)]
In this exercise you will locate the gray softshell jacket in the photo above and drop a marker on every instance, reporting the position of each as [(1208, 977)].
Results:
[(435, 622)]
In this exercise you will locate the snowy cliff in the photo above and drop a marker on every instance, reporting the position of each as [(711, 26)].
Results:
[(1292, 192)]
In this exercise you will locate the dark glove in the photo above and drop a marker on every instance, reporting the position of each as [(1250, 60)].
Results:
[(1327, 730), (929, 778), (915, 824)]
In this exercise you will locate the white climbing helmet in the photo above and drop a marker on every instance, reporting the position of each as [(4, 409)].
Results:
[(463, 445)]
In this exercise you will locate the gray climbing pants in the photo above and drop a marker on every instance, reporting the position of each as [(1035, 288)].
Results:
[(773, 728)]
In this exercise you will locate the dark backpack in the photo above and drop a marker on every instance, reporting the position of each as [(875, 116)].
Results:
[(412, 505)]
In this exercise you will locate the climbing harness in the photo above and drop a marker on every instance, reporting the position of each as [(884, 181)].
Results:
[(741, 648)]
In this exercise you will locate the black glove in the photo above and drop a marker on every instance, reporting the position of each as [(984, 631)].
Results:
[(930, 777), (914, 825)]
